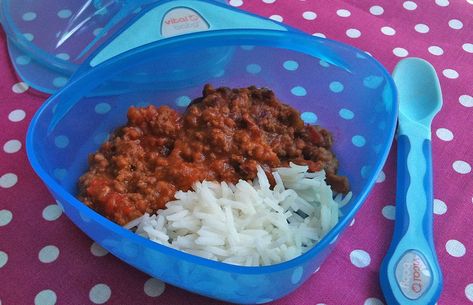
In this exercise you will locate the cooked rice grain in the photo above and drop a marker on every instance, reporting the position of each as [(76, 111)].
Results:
[(246, 224)]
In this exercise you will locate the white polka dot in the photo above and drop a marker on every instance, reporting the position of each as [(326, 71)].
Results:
[(455, 24), (297, 275), (409, 5), (8, 180), (63, 56), (23, 60), (381, 177), (59, 81), (45, 297), (353, 33), (102, 108), (468, 47), (86, 218), (219, 73), (269, 1), (324, 64), (236, 3), (373, 301), (358, 141), (97, 250), (352, 222), (360, 258), (422, 28), (276, 18), (154, 288), (28, 36), (65, 13), (343, 13), (455, 248), (389, 212), (309, 117), (17, 115), (364, 170), (61, 141), (346, 114), (290, 65), (372, 81), (440, 207), (61, 173), (48, 254), (100, 294), (12, 146), (442, 2), (466, 100), (400, 52), (444, 134), (469, 292), (386, 30), (59, 204), (299, 91), (334, 239), (376, 10), (450, 73), (29, 16), (97, 31), (52, 212), (336, 87), (461, 167), (435, 50), (183, 101), (309, 15), (319, 35), (5, 217), (253, 68), (3, 259), (20, 87)]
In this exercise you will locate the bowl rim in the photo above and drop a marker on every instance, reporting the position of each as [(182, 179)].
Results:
[(294, 41)]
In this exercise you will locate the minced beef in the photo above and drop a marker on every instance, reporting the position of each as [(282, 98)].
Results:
[(222, 136)]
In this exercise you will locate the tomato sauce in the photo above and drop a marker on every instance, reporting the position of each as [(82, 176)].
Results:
[(222, 136)]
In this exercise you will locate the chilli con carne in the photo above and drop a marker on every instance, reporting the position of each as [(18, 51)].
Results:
[(222, 136)]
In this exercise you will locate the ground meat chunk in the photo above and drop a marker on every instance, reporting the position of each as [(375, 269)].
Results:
[(221, 136)]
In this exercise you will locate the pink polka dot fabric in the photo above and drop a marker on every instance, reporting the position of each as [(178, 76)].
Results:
[(45, 259)]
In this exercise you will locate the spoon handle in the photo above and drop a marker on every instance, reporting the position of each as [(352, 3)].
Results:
[(410, 272)]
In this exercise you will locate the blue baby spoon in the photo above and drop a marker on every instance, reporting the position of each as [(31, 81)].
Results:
[(410, 273)]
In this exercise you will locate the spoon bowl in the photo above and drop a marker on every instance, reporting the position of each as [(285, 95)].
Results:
[(419, 90)]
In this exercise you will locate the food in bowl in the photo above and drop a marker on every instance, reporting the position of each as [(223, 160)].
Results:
[(250, 223), (237, 161)]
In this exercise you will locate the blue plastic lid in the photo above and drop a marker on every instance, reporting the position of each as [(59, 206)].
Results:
[(48, 42)]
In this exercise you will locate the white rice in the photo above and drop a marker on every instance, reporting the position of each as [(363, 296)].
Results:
[(248, 224)]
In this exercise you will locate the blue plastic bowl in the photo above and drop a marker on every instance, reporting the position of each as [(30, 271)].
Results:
[(354, 97)]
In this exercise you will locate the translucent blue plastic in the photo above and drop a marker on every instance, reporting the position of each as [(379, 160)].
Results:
[(412, 246), (355, 100), (49, 40)]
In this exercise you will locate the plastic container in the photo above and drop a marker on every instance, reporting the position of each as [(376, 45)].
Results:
[(49, 40), (331, 84)]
